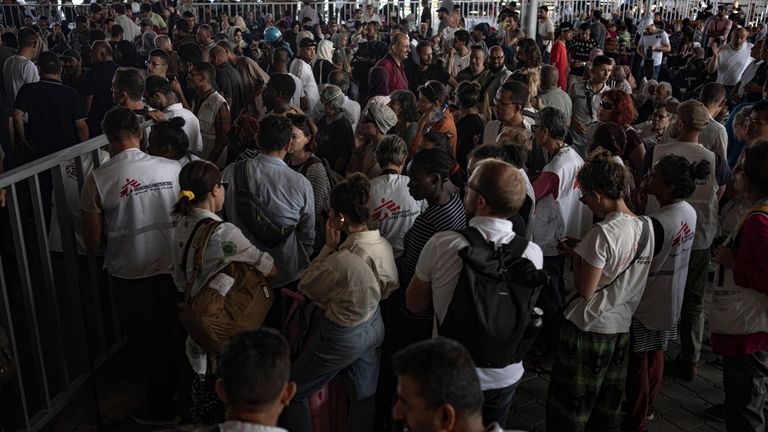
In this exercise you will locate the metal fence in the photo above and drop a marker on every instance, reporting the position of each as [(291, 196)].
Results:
[(474, 11), (55, 300)]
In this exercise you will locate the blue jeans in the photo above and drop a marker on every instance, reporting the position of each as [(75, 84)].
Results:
[(496, 404), (656, 70), (335, 348)]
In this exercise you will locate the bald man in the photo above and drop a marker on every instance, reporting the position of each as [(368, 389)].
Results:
[(228, 81), (497, 75), (730, 60), (393, 62)]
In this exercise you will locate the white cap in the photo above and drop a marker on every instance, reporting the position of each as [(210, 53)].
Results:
[(646, 22)]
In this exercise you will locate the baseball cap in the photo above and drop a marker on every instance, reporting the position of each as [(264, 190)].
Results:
[(307, 42), (482, 27), (442, 9), (566, 26), (646, 22), (71, 54), (693, 114)]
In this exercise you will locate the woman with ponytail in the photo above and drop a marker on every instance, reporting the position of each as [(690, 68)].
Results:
[(672, 180), (347, 280), (201, 197)]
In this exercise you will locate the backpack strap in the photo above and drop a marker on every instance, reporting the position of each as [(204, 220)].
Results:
[(199, 241), (308, 164), (644, 236), (516, 247)]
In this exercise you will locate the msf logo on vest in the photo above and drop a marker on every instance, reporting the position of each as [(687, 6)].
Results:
[(133, 187), (683, 235)]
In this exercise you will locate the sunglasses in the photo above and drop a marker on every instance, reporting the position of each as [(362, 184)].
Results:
[(606, 105)]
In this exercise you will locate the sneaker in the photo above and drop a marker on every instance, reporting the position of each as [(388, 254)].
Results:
[(715, 412), (147, 417)]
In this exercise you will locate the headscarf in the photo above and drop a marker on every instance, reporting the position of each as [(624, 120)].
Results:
[(303, 34), (378, 82), (231, 31), (325, 50), (147, 42), (333, 95), (240, 23), (383, 115)]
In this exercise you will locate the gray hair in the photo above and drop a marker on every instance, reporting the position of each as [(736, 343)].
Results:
[(666, 86), (555, 121), (392, 150)]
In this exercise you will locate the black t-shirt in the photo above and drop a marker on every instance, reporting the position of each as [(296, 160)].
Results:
[(335, 142), (417, 77), (52, 109), (125, 53), (98, 83), (467, 128)]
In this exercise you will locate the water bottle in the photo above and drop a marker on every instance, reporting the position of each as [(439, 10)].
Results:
[(441, 115)]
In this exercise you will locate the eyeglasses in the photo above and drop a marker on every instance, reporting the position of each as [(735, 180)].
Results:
[(606, 105)]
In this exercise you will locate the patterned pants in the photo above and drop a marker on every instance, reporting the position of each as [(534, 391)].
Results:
[(587, 382), (206, 408)]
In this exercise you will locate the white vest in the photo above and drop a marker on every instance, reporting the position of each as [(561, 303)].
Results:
[(704, 198), (737, 310), (137, 193), (659, 309), (207, 116), (566, 215)]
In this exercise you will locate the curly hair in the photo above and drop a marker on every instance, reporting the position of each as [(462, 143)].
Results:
[(606, 177), (610, 136), (351, 197), (623, 111), (532, 52)]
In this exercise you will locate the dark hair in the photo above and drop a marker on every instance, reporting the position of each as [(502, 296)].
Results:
[(340, 79), (198, 177), (532, 52), (207, 69), (157, 84), (602, 60), (274, 132), (119, 8), (444, 373), (604, 176), (610, 136), (462, 36), (49, 63), (755, 166), (116, 30), (162, 54), (282, 84), (190, 52), (439, 140), (434, 91), (437, 161), (712, 93), (146, 7), (679, 173), (423, 44), (555, 121), (351, 197), (26, 37), (302, 122), (131, 81), (81, 19), (469, 93), (9, 40), (170, 135), (182, 25), (281, 56), (120, 121), (408, 103), (255, 367)]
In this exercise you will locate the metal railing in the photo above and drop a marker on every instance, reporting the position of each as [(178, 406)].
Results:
[(474, 11), (56, 305)]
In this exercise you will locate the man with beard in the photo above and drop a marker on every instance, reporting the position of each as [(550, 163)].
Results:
[(729, 61), (425, 70), (439, 268), (73, 71), (497, 74), (476, 71)]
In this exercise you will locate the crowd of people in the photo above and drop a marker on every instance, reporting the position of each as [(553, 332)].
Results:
[(342, 160)]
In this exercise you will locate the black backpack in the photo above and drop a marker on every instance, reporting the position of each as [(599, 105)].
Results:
[(492, 309), (252, 211)]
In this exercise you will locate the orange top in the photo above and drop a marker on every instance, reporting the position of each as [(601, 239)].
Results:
[(446, 126)]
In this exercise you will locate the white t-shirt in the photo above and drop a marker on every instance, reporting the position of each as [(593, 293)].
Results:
[(459, 63), (298, 92), (440, 265), (732, 63), (543, 29), (655, 41), (191, 125), (611, 245), (393, 207), (303, 71)]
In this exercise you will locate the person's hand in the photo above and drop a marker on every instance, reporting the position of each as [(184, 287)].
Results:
[(175, 86), (566, 245), (332, 236), (725, 257), (359, 140), (157, 116), (715, 49), (435, 115)]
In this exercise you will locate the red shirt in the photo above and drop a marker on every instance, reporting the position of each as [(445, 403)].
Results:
[(559, 59), (397, 78)]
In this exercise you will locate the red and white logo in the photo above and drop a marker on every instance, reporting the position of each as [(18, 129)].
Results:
[(379, 213), (128, 187), (682, 235)]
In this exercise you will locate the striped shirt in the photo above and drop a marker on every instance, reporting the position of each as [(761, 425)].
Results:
[(443, 217)]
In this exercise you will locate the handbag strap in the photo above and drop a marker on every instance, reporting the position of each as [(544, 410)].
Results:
[(199, 242), (641, 244)]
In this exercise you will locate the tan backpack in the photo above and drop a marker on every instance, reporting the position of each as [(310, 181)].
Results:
[(211, 317)]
